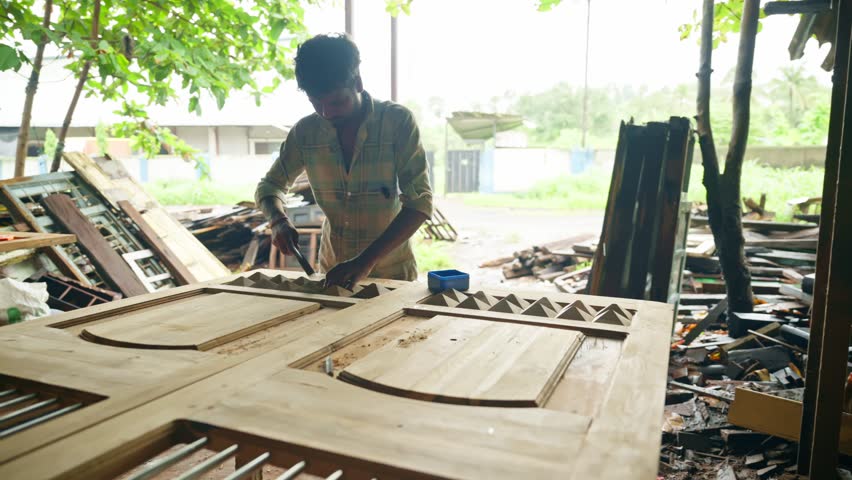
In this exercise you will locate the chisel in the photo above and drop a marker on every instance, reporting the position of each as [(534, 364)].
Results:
[(305, 264)]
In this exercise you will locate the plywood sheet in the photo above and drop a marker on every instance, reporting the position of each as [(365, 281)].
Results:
[(200, 323), (467, 361)]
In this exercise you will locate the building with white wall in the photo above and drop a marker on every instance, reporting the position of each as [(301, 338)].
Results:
[(239, 141)]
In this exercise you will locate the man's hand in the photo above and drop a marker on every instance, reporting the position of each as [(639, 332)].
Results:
[(284, 236), (347, 274)]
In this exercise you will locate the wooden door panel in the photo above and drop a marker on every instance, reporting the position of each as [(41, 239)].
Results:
[(591, 376), (201, 323), (219, 325), (459, 360)]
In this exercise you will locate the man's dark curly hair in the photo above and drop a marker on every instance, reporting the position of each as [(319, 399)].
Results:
[(325, 63)]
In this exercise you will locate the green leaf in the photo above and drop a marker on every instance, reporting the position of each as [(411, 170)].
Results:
[(275, 28), (220, 97), (9, 59), (193, 105)]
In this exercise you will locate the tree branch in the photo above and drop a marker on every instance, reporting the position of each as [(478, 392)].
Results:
[(731, 251), (32, 86), (702, 119), (84, 75), (742, 90)]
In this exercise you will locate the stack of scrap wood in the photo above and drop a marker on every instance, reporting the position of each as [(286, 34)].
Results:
[(733, 405), (240, 238), (538, 261), (548, 262), (235, 235), (735, 396), (239, 235), (122, 242), (779, 255)]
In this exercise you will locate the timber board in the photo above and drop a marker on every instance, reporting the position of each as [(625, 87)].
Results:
[(601, 420)]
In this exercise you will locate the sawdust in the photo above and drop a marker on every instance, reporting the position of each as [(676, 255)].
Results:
[(416, 337), (344, 361)]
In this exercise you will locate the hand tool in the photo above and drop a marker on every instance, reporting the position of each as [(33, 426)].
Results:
[(303, 262)]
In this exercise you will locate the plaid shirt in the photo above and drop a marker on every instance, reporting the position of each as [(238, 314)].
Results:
[(388, 172)]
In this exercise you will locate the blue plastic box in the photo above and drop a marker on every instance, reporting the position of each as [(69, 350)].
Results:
[(441, 280)]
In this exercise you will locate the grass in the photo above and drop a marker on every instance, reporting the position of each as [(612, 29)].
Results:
[(430, 255), (779, 185), (574, 192), (198, 192), (588, 191)]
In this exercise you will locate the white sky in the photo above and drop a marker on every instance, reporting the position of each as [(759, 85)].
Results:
[(468, 51), (472, 50)]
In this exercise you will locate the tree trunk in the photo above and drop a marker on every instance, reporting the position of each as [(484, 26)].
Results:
[(723, 189), (81, 81), (32, 86)]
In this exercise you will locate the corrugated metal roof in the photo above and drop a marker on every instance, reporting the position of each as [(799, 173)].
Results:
[(482, 126)]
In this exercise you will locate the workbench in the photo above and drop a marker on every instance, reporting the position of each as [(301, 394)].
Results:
[(389, 381)]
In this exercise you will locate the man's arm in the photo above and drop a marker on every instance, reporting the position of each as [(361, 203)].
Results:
[(271, 192), (350, 272), (416, 198)]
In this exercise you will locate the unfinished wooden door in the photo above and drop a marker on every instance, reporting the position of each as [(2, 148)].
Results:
[(479, 384), (64, 373)]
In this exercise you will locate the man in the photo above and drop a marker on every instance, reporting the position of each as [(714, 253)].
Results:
[(365, 164)]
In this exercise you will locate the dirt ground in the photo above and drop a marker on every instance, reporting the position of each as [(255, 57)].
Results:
[(486, 233)]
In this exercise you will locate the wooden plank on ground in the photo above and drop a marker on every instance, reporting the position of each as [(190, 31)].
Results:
[(709, 319), (477, 362), (199, 323), (793, 259), (782, 244), (763, 225), (778, 416), (20, 240), (178, 270), (702, 298), (796, 292), (744, 341), (65, 213)]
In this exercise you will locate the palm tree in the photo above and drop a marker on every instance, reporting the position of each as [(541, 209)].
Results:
[(796, 88)]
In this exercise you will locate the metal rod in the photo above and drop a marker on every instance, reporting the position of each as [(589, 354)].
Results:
[(779, 342), (335, 476), (248, 468), (293, 471), (394, 58), (585, 118), (349, 7), (211, 462), (8, 392), (38, 420), (18, 400), (28, 409), (160, 465)]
